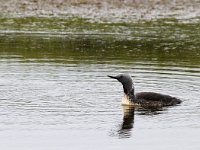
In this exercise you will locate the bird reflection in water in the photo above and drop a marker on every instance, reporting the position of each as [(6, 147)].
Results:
[(125, 128), (128, 121)]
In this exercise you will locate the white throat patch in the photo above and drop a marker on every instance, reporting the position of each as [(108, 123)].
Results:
[(126, 101)]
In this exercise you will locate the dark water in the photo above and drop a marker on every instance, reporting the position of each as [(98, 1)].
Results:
[(55, 93)]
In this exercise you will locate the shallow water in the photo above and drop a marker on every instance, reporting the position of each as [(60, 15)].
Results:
[(55, 93)]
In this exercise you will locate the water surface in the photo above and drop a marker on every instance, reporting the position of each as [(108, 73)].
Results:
[(55, 93)]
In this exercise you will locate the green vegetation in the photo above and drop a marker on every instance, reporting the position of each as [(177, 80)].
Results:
[(83, 25), (50, 24), (76, 39)]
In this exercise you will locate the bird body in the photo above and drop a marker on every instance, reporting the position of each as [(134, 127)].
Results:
[(143, 99)]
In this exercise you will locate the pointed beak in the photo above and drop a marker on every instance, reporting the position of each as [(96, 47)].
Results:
[(113, 77)]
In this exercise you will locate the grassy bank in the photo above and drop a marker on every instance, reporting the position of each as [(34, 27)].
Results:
[(129, 17), (77, 25)]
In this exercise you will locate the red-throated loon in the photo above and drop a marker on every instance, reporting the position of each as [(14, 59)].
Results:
[(143, 99)]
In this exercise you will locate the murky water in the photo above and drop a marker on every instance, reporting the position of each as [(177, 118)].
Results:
[(55, 93)]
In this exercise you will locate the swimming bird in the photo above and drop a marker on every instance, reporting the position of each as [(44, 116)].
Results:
[(143, 99)]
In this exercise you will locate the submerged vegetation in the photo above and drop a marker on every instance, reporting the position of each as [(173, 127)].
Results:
[(85, 48)]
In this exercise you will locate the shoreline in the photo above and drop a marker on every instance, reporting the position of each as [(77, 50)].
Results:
[(103, 11)]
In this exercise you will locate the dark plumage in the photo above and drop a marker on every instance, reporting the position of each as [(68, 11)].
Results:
[(143, 99)]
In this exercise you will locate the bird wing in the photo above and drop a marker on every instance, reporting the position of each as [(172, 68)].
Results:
[(156, 99), (151, 96)]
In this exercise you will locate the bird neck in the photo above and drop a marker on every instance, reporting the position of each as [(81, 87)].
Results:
[(128, 87), (129, 98), (131, 94)]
